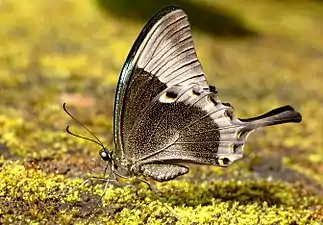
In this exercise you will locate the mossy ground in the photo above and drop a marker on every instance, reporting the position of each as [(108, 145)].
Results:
[(261, 55)]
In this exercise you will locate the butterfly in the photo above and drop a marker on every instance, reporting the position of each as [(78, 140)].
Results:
[(166, 115)]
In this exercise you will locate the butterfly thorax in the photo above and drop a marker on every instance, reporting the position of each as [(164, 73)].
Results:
[(122, 167)]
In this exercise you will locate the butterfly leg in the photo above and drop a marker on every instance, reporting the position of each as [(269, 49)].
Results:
[(152, 188), (99, 179), (107, 181), (142, 180)]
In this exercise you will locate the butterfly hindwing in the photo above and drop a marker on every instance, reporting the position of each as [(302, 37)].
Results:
[(186, 124)]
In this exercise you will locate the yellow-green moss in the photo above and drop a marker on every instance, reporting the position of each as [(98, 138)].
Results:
[(72, 51), (35, 196)]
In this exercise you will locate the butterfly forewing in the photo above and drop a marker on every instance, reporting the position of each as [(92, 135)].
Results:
[(162, 56)]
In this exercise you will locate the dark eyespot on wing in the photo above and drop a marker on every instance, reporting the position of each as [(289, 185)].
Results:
[(226, 161), (229, 114), (237, 146), (227, 104), (243, 133), (213, 99), (196, 92), (171, 94), (213, 89)]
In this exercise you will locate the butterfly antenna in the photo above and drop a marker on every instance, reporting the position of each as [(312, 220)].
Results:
[(82, 137), (97, 141)]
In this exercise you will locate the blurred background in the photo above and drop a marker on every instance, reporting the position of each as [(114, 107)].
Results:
[(259, 54)]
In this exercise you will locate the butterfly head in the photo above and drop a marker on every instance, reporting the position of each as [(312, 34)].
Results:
[(106, 154)]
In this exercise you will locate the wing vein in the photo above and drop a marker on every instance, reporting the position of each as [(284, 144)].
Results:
[(165, 60), (199, 119), (160, 39), (178, 68), (167, 45)]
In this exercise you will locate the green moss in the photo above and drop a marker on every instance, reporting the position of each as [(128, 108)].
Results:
[(36, 196), (74, 55), (32, 194)]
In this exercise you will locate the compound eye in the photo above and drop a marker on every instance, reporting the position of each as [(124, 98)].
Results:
[(104, 155)]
